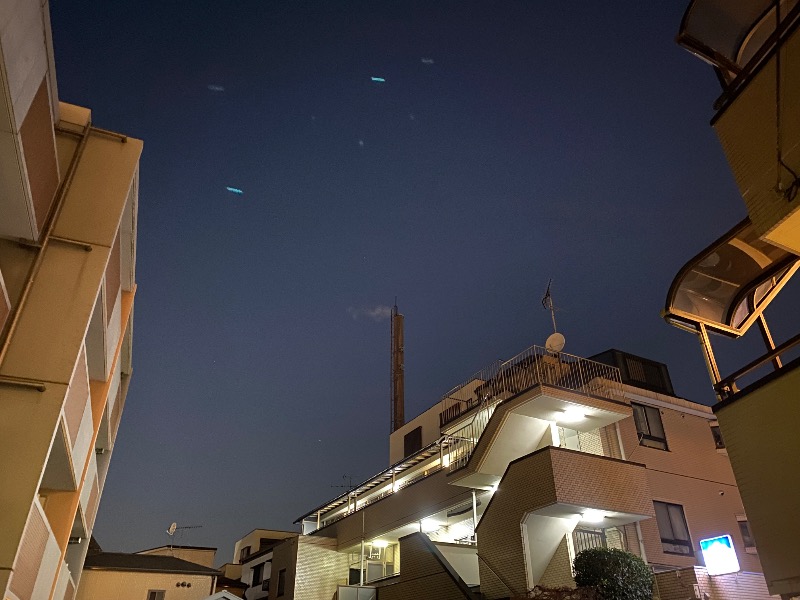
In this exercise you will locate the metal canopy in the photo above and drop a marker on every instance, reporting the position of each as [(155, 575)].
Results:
[(729, 284), (728, 33)]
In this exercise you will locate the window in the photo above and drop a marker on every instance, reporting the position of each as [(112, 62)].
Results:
[(718, 441), (265, 586), (281, 582), (649, 426), (244, 553), (747, 537), (673, 529), (258, 574), (156, 594), (412, 441)]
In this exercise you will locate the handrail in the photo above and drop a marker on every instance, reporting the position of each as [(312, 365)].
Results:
[(727, 387)]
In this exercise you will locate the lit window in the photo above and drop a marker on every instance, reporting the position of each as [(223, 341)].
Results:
[(649, 426), (673, 529), (717, 434)]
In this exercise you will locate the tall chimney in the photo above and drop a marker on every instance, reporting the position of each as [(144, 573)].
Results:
[(398, 368)]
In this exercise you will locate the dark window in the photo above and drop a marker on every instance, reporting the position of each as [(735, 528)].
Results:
[(718, 441), (281, 582), (265, 586), (258, 574), (674, 531), (412, 442), (156, 594), (747, 537), (649, 426), (244, 553), (263, 543)]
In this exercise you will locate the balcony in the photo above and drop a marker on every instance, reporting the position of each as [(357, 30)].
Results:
[(758, 121)]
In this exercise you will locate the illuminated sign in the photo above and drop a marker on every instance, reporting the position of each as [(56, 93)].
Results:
[(719, 555)]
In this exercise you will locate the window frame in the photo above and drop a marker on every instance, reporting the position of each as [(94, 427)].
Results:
[(648, 413), (244, 552), (259, 570), (162, 596), (281, 582), (744, 524), (687, 543), (716, 433)]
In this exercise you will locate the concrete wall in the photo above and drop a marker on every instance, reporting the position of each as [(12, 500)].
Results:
[(99, 584), (761, 430)]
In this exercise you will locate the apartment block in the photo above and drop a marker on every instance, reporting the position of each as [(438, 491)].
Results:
[(496, 487), (68, 205), (753, 47)]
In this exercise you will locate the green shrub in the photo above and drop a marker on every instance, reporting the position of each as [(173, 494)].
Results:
[(617, 575)]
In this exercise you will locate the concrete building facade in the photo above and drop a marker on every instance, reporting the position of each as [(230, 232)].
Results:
[(497, 486), (68, 205), (754, 49)]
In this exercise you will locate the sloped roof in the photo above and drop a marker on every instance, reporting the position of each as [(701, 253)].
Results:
[(146, 563)]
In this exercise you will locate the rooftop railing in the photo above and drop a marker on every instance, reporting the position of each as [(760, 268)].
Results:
[(531, 367)]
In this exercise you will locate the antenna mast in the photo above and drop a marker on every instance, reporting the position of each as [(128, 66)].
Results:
[(547, 302), (554, 343), (398, 371)]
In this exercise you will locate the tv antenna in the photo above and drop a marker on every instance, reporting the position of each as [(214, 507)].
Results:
[(555, 342), (174, 528), (348, 485)]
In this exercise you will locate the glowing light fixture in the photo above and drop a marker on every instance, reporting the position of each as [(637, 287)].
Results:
[(446, 461), (380, 543), (429, 525), (719, 555), (593, 516), (571, 414)]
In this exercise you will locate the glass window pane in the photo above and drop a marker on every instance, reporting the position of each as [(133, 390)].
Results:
[(662, 517), (640, 419), (747, 537), (654, 421), (678, 522)]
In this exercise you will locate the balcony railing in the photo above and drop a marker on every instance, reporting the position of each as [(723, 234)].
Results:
[(534, 366)]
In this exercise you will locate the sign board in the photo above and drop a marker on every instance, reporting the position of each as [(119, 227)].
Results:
[(719, 555)]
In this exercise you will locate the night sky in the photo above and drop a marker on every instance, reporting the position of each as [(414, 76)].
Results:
[(546, 140)]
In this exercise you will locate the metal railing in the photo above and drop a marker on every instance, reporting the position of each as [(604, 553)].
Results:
[(501, 381)]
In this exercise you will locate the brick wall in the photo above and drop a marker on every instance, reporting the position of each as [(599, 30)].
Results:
[(424, 574)]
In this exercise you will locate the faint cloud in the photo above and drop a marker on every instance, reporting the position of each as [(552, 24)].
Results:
[(375, 313)]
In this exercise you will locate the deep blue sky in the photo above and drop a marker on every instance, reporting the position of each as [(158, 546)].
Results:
[(548, 139)]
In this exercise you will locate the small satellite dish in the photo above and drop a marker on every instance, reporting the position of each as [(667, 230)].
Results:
[(555, 343), (172, 528)]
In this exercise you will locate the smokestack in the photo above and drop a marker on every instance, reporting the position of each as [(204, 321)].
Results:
[(398, 372)]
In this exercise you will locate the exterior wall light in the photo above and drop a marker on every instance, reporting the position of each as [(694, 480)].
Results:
[(429, 525), (380, 543), (593, 516), (572, 414)]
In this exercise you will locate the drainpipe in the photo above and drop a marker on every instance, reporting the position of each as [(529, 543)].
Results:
[(361, 570)]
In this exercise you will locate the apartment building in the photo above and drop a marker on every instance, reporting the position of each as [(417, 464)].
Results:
[(68, 202), (496, 487), (754, 49), (252, 560)]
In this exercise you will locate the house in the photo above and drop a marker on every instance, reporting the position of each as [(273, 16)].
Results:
[(498, 485), (754, 49)]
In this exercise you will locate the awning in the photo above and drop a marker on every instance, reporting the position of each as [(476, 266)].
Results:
[(730, 283)]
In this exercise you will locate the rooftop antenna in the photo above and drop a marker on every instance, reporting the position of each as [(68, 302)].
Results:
[(348, 479), (398, 371), (555, 343), (174, 527)]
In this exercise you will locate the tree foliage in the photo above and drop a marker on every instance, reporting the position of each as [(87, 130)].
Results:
[(617, 575)]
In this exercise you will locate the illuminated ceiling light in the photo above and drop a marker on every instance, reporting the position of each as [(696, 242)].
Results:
[(395, 487), (429, 525), (446, 460), (380, 543), (572, 414), (494, 487), (593, 516)]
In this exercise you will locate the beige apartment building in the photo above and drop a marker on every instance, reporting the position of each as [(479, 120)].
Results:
[(496, 488), (68, 201), (754, 49)]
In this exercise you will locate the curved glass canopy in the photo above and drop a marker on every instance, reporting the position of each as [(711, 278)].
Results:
[(729, 33), (728, 285)]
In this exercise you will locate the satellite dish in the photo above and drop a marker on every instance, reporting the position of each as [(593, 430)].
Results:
[(555, 343), (172, 528)]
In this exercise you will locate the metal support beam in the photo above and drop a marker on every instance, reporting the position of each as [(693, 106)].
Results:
[(766, 335)]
